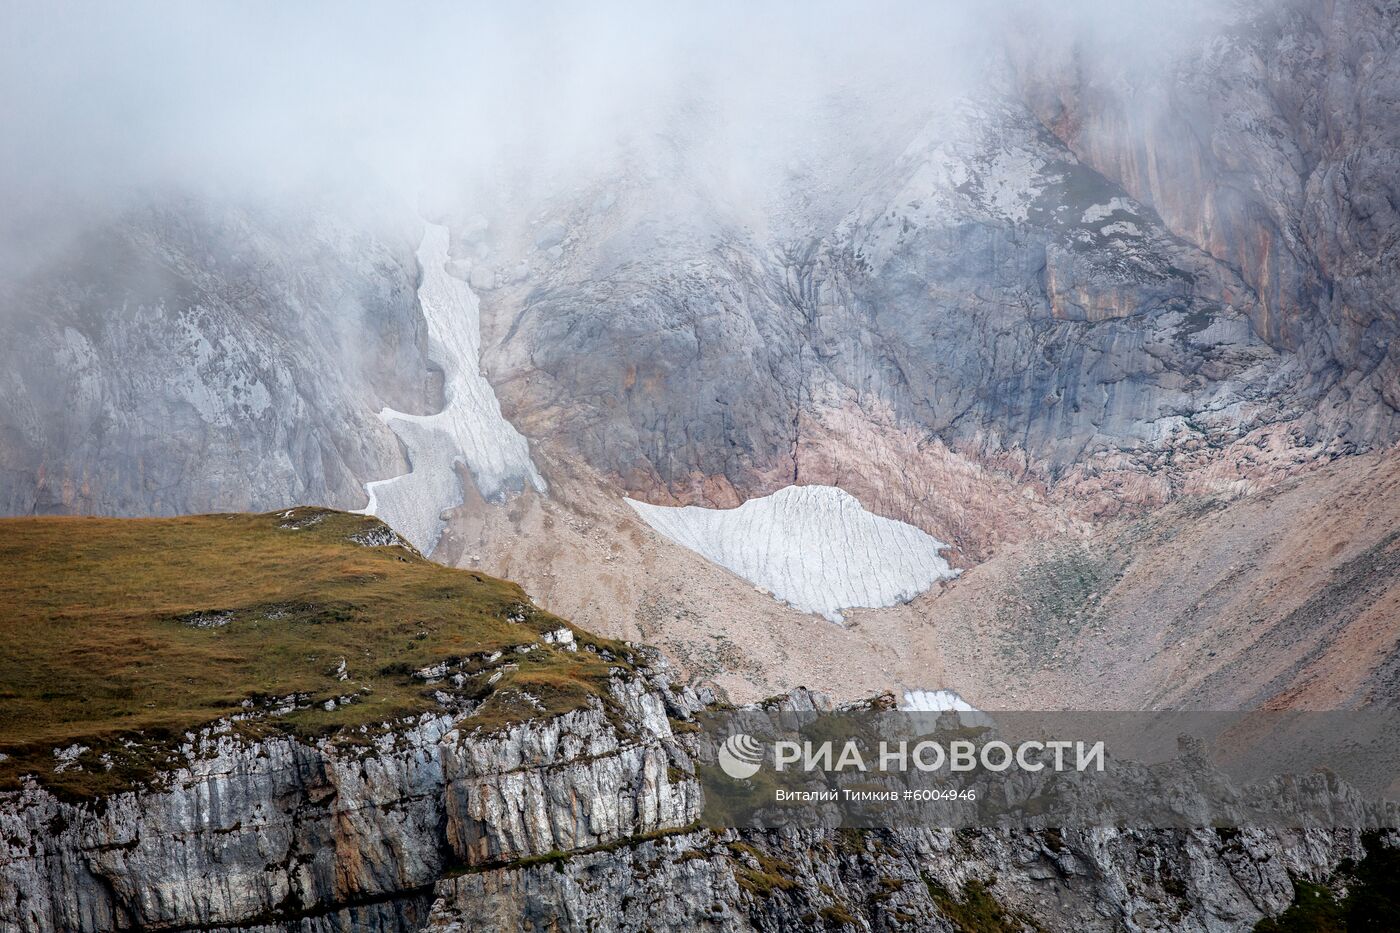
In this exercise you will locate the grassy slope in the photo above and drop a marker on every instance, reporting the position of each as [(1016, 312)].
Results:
[(97, 644)]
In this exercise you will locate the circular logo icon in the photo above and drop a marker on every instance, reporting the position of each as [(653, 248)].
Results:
[(740, 756)]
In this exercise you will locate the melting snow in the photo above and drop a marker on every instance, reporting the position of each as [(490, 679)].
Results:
[(813, 547), (1096, 212), (935, 701), (944, 701), (470, 428)]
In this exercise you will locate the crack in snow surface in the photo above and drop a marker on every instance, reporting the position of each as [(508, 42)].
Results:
[(470, 429), (813, 547)]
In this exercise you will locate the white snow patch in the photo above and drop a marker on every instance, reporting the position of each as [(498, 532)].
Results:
[(813, 547), (935, 701), (470, 428), (1122, 227), (944, 701), (1097, 212)]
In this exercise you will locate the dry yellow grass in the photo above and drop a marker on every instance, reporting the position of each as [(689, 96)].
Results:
[(101, 642)]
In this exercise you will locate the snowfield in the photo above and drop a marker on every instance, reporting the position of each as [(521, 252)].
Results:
[(935, 701), (470, 428), (944, 701), (813, 547)]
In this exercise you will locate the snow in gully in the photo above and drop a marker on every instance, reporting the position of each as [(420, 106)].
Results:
[(469, 430)]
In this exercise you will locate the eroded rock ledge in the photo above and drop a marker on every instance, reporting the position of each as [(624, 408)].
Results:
[(585, 820)]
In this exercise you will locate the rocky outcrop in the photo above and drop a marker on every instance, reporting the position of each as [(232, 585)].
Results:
[(1057, 880), (988, 292), (586, 820), (1088, 288), (1273, 144), (278, 834)]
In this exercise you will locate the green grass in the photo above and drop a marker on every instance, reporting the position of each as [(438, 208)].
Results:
[(100, 643), (977, 911), (1314, 910), (1372, 900), (771, 874)]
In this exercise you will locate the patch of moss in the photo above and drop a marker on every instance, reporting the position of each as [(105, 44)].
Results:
[(837, 915), (888, 888), (1314, 909), (1372, 901), (1054, 599), (1067, 585), (976, 911), (771, 874)]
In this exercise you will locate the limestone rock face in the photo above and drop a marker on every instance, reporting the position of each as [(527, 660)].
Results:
[(1113, 289), (987, 292), (1068, 880), (192, 356), (294, 836), (1078, 290), (1274, 146), (581, 821)]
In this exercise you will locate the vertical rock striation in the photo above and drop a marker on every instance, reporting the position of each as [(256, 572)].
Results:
[(581, 821), (279, 834)]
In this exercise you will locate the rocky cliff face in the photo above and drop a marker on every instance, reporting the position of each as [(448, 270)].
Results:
[(1109, 290), (1273, 145), (1080, 289), (989, 290), (283, 835), (904, 880), (580, 821), (1028, 313), (193, 356)]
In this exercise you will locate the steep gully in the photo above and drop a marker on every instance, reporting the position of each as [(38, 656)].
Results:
[(469, 430), (814, 548)]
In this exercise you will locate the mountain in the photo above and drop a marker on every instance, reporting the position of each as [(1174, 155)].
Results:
[(1037, 311), (1058, 376), (1029, 276), (195, 355), (451, 757)]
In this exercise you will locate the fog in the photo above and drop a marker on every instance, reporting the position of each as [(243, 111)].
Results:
[(429, 105)]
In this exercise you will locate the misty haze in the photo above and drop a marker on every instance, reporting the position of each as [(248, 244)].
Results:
[(419, 422)]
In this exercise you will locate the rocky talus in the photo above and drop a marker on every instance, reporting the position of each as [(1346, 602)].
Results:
[(587, 820)]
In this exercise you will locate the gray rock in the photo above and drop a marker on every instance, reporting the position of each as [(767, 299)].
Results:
[(198, 358), (550, 235), (576, 822)]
